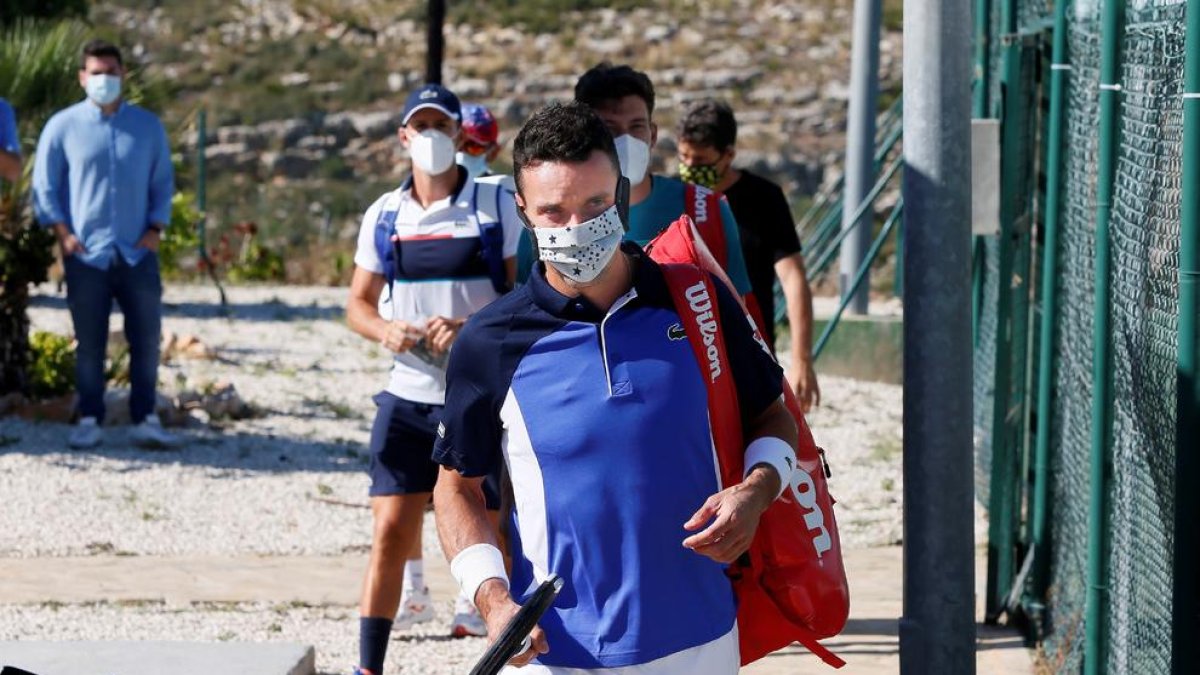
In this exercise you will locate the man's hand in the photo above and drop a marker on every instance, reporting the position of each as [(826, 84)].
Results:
[(150, 240), (803, 379), (734, 513), (497, 608), (68, 241), (401, 336), (440, 333)]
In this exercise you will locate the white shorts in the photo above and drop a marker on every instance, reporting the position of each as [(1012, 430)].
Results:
[(719, 657)]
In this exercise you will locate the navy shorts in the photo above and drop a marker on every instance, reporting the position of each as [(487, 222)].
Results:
[(402, 449)]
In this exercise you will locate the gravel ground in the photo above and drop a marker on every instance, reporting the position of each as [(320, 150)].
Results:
[(292, 481), (332, 631)]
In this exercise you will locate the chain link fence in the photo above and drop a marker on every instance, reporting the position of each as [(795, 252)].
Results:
[(1145, 248)]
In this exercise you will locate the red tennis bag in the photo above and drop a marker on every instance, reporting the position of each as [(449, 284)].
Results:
[(791, 585)]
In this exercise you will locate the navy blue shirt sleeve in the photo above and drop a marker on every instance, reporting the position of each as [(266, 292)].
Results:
[(759, 380), (468, 438)]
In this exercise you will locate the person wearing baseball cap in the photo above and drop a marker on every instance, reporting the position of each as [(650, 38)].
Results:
[(436, 250), (480, 144)]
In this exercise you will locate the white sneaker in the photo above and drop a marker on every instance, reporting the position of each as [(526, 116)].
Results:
[(415, 608), (467, 621), (86, 434), (150, 434)]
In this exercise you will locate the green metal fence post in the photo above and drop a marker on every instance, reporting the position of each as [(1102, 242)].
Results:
[(1059, 72), (1002, 502), (859, 276), (983, 45), (1185, 647), (979, 107), (1095, 636)]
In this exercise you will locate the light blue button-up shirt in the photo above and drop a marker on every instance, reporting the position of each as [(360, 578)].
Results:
[(108, 177)]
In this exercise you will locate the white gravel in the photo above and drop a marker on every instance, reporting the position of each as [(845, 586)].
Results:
[(332, 631), (293, 481)]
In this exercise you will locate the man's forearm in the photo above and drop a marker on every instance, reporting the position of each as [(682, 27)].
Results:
[(364, 319), (773, 423), (461, 515), (798, 294)]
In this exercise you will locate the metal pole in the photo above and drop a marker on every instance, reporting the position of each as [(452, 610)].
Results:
[(1185, 648), (435, 42), (983, 45), (1101, 457), (1003, 496), (860, 145), (937, 631), (1059, 72), (981, 96), (859, 277)]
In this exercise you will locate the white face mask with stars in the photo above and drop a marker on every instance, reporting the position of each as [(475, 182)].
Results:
[(580, 252)]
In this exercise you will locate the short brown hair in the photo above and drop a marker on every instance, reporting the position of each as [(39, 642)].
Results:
[(100, 49)]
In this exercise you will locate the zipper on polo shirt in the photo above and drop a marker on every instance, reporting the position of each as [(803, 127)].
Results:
[(621, 302)]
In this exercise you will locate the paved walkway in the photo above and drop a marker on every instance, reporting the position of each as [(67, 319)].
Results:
[(869, 644)]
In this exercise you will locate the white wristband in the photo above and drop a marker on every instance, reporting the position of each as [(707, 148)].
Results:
[(476, 564), (774, 452)]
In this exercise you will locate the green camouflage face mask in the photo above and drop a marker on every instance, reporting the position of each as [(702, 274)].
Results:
[(704, 175)]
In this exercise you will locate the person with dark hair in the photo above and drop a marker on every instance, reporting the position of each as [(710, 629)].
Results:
[(707, 139), (582, 382), (103, 181), (624, 99), (430, 253), (10, 144)]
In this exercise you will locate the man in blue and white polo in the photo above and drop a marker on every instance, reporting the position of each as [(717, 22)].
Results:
[(435, 251), (583, 384)]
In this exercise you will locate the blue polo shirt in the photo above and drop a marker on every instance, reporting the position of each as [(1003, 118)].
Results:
[(602, 421), (108, 177)]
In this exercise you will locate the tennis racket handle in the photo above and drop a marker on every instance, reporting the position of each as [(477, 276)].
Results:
[(516, 638)]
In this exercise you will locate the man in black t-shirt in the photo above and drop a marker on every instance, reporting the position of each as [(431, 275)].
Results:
[(707, 135)]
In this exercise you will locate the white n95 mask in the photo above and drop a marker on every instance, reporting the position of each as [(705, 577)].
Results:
[(634, 155), (580, 252), (432, 151)]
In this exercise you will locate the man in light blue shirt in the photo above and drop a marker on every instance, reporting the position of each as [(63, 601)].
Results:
[(103, 182), (10, 144)]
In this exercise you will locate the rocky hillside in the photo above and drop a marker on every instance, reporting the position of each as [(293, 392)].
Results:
[(303, 96)]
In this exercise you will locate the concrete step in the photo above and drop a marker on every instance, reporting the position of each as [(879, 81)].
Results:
[(178, 658)]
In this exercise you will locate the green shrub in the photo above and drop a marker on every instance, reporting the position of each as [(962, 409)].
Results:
[(52, 364), (259, 264), (181, 239)]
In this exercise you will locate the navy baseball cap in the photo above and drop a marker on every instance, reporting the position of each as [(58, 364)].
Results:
[(432, 96)]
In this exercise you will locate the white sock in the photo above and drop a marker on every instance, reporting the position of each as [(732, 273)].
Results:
[(414, 574)]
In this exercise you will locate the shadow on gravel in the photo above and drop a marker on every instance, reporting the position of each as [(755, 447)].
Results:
[(268, 310), (235, 452)]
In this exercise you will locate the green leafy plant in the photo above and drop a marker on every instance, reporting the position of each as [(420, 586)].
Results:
[(52, 367), (38, 66), (258, 264), (181, 239)]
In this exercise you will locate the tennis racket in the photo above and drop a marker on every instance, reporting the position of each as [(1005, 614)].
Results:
[(515, 639)]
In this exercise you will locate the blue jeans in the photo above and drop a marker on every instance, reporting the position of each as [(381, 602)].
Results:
[(90, 295)]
